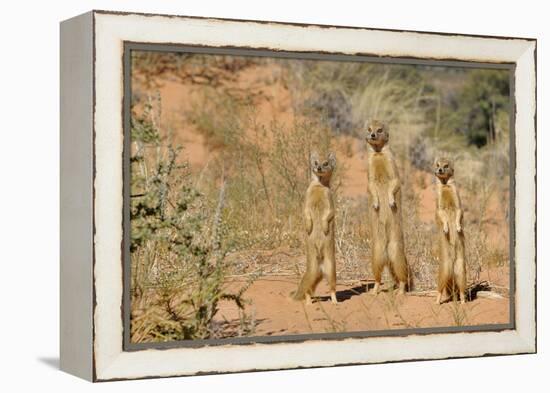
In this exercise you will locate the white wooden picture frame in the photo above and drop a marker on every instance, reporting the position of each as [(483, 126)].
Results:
[(92, 165)]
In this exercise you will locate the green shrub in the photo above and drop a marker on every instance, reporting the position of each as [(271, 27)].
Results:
[(177, 255)]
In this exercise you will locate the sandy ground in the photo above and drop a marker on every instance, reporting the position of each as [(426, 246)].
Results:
[(276, 314)]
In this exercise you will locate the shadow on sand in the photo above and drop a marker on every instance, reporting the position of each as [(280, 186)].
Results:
[(347, 294)]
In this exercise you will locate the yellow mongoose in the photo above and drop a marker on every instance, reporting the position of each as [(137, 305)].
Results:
[(384, 192), (452, 264), (319, 223)]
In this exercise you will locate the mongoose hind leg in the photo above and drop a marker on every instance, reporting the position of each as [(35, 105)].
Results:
[(441, 296), (460, 278), (377, 263), (462, 298), (329, 270), (310, 279), (398, 264), (311, 293), (438, 298), (401, 289), (444, 278)]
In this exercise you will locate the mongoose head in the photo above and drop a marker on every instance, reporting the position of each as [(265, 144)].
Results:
[(443, 168), (377, 134), (323, 168)]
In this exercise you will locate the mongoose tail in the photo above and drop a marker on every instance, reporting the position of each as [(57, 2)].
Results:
[(307, 285)]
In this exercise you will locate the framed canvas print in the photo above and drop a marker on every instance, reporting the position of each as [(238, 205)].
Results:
[(246, 195)]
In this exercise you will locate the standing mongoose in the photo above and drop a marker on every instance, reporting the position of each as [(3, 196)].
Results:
[(384, 192), (319, 225), (452, 264)]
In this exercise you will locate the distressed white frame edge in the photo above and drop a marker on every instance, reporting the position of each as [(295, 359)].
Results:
[(111, 30), (76, 205)]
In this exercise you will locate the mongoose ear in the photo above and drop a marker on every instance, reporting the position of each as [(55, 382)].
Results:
[(332, 159)]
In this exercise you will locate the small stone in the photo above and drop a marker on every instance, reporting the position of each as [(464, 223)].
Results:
[(489, 295)]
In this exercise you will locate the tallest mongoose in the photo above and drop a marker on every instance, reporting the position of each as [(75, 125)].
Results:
[(384, 192)]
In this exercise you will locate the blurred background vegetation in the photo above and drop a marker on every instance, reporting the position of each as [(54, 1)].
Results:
[(220, 148)]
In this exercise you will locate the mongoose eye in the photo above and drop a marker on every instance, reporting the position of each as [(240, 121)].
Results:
[(379, 130), (370, 129), (315, 163), (446, 166), (325, 163)]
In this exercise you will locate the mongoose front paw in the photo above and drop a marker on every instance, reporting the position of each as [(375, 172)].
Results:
[(325, 227), (391, 202), (446, 229), (375, 205), (458, 228)]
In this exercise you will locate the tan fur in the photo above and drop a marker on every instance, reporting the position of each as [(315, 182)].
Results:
[(319, 223), (452, 261), (384, 212)]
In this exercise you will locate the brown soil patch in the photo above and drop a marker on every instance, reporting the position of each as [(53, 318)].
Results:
[(276, 314)]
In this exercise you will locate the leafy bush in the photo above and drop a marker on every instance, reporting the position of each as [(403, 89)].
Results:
[(480, 110), (178, 267)]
